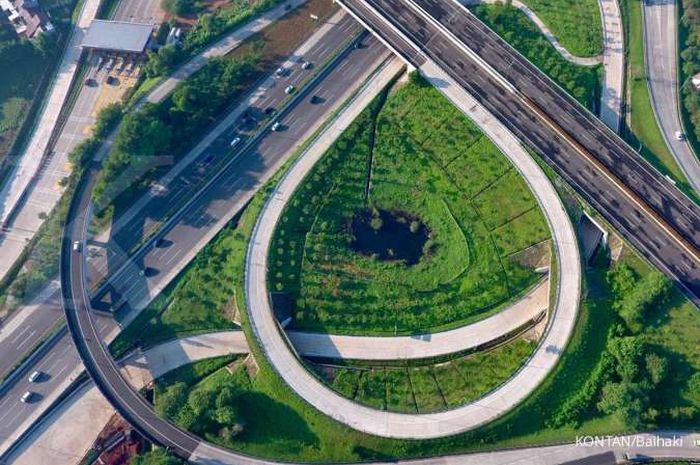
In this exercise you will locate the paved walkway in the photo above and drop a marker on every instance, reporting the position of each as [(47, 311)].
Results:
[(416, 426), (661, 61), (67, 435), (460, 339), (30, 160)]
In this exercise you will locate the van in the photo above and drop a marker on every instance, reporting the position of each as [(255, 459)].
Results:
[(34, 376)]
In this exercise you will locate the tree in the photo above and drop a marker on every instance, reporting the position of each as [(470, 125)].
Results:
[(657, 368), (628, 353), (156, 457), (178, 7), (626, 400), (171, 400)]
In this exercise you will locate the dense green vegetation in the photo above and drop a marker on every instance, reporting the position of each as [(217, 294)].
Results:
[(156, 457), (428, 388), (583, 83), (39, 261), (576, 23), (208, 27), (690, 64), (169, 127), (27, 70), (645, 133), (179, 7), (201, 407), (278, 424), (417, 155)]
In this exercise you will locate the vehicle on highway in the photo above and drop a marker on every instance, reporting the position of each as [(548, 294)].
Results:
[(680, 135), (315, 99), (76, 246), (305, 65), (235, 141), (277, 126), (27, 397), (34, 376), (289, 89)]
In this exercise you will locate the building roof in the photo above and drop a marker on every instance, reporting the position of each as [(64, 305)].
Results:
[(117, 36)]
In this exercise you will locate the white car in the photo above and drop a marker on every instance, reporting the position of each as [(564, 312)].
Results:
[(279, 72), (305, 65), (289, 90), (680, 135), (76, 246), (276, 127), (27, 397), (34, 376), (235, 141)]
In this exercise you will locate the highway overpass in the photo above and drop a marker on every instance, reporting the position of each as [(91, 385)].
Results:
[(644, 206)]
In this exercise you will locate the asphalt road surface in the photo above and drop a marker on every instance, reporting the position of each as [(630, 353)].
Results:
[(61, 361), (653, 215), (236, 184), (268, 100), (660, 46)]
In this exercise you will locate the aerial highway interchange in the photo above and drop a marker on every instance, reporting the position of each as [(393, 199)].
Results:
[(285, 123)]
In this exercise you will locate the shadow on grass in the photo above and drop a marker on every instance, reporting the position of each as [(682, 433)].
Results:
[(270, 422)]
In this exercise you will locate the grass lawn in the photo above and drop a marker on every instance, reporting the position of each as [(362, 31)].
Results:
[(419, 156), (582, 82), (429, 388), (279, 425), (645, 133), (576, 23)]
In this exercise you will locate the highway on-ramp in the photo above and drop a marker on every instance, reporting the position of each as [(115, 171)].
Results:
[(258, 164), (649, 211), (661, 62)]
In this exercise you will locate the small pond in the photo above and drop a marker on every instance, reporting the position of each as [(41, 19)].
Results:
[(388, 235)]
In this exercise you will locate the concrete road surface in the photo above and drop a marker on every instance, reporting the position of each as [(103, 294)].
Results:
[(660, 45), (275, 148), (66, 435), (419, 426)]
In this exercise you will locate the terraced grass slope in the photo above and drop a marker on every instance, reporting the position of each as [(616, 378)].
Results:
[(430, 388), (417, 161)]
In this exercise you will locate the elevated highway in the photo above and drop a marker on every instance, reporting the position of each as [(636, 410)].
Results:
[(651, 213)]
